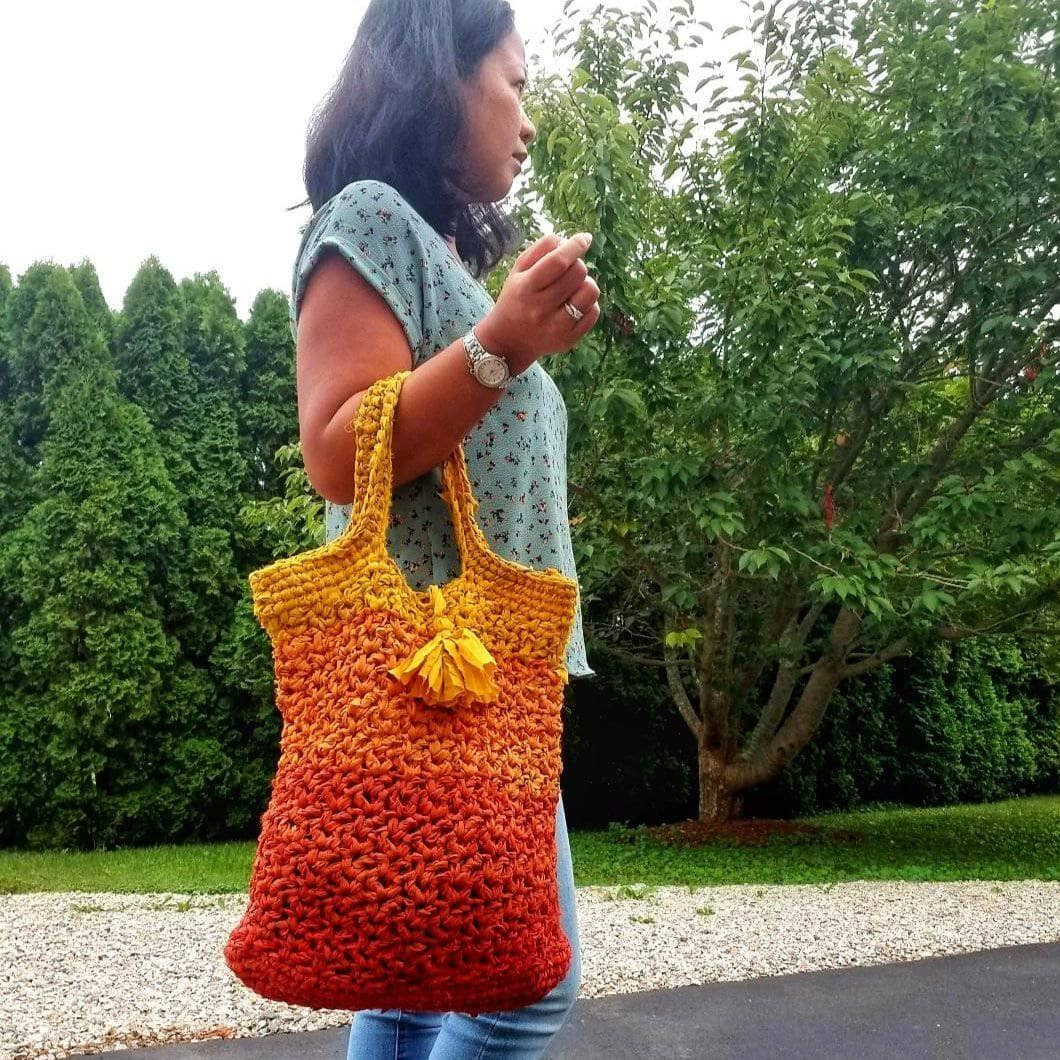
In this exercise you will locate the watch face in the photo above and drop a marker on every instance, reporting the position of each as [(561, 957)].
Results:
[(492, 370)]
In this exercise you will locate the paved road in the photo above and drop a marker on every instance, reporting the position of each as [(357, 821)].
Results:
[(999, 1004)]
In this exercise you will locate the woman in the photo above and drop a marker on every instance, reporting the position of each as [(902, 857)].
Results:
[(423, 132)]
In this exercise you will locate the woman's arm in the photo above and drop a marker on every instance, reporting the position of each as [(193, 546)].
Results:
[(348, 337)]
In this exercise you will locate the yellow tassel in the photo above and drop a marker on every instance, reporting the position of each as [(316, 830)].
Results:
[(452, 666)]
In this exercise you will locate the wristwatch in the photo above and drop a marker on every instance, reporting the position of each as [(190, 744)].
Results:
[(489, 369)]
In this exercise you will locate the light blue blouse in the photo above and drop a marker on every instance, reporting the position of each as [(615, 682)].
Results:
[(516, 454)]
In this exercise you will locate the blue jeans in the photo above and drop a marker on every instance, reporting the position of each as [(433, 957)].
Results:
[(522, 1034)]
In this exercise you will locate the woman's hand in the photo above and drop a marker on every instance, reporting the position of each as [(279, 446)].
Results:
[(529, 320)]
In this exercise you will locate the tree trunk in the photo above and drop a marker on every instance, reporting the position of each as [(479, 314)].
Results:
[(715, 803)]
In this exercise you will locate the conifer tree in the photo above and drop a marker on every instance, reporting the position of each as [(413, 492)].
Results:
[(197, 431), (82, 731)]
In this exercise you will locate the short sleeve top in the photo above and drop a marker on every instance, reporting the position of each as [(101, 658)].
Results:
[(516, 454)]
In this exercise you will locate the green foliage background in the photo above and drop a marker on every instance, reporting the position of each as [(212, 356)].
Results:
[(136, 687), (149, 461), (962, 723)]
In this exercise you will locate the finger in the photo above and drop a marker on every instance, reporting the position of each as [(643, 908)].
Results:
[(592, 315), (579, 328), (570, 284), (555, 263), (586, 308), (536, 251)]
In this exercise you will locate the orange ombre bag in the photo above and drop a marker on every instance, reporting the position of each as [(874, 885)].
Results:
[(407, 855)]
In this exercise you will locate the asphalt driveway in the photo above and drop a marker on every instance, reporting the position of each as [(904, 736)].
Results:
[(1000, 1004)]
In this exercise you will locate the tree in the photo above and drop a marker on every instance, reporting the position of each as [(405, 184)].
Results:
[(179, 353), (268, 407), (817, 425), (91, 663)]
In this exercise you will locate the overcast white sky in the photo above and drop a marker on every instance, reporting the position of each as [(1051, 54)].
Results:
[(133, 128)]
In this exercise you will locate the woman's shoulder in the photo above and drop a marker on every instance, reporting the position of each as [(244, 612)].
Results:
[(376, 230), (375, 201)]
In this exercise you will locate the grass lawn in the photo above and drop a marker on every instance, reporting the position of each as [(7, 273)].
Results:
[(1014, 839)]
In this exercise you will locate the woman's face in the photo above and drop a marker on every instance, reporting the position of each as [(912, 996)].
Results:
[(496, 128)]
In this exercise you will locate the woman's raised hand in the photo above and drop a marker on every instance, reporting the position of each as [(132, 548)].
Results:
[(529, 319)]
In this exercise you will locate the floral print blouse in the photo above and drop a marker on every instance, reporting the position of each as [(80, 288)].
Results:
[(516, 454)]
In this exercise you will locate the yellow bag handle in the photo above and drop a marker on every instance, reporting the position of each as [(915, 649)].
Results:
[(373, 429)]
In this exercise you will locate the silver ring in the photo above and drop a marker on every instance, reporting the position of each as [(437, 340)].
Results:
[(573, 310)]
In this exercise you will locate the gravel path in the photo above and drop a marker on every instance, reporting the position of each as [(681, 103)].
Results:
[(84, 972)]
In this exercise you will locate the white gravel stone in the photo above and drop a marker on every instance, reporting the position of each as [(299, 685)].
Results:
[(83, 972)]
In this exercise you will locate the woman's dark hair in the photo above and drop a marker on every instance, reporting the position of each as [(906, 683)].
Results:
[(395, 115)]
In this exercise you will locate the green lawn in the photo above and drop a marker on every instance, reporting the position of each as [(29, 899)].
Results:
[(1011, 840)]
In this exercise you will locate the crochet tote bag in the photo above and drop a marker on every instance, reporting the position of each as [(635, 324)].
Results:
[(407, 855)]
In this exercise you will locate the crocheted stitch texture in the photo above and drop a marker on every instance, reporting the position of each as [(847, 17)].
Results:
[(407, 855)]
